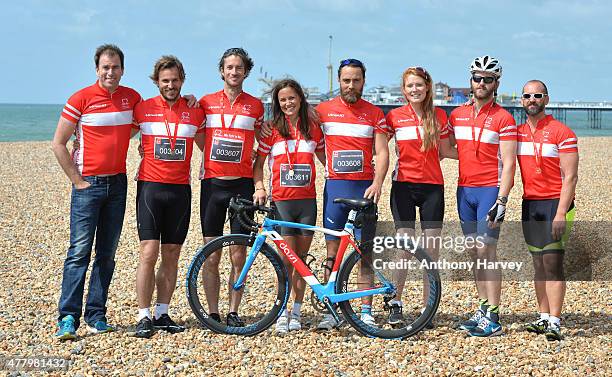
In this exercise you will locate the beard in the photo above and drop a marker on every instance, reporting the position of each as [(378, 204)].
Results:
[(170, 95), (534, 109), (351, 96), (482, 93)]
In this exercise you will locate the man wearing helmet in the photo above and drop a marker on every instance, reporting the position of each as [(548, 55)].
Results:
[(485, 135)]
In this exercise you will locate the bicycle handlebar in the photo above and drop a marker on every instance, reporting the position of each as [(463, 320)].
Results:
[(240, 207)]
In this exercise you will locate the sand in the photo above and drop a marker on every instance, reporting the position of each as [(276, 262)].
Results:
[(34, 230)]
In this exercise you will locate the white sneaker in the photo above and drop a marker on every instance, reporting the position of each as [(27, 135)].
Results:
[(368, 319), (328, 322), (282, 324), (294, 322)]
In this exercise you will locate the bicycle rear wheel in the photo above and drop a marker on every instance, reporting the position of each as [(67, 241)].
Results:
[(264, 294), (420, 299)]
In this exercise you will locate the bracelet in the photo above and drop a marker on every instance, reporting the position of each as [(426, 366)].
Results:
[(260, 188)]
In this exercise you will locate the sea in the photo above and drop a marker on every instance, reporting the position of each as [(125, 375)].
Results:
[(22, 122)]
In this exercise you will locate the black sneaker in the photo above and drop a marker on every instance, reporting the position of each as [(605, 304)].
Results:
[(553, 332), (538, 327), (167, 324), (215, 316), (395, 315), (234, 321), (144, 328)]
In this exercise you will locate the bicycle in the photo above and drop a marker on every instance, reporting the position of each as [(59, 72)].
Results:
[(267, 290)]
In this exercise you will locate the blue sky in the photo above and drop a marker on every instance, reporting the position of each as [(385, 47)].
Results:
[(49, 46)]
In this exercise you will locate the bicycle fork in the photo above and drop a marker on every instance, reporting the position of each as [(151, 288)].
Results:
[(239, 283)]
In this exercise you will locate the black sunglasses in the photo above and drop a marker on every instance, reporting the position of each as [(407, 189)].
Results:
[(534, 95), (487, 80), (354, 62)]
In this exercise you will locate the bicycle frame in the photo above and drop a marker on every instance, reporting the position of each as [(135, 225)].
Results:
[(323, 291)]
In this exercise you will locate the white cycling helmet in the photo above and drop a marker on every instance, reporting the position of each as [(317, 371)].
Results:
[(486, 63)]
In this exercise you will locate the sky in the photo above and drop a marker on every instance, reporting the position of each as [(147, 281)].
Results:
[(48, 46)]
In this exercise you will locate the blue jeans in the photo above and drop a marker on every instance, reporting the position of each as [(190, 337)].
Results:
[(97, 210)]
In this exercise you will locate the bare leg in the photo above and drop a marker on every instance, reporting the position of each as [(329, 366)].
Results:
[(302, 245), (145, 272), (332, 250), (238, 258), (539, 282), (432, 246), (166, 274), (493, 276), (479, 273), (210, 278), (399, 275), (555, 282)]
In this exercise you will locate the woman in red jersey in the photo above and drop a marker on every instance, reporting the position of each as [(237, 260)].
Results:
[(295, 140), (421, 139)]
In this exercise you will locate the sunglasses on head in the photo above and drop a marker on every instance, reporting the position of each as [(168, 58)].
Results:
[(487, 79), (534, 95), (354, 62), (420, 69)]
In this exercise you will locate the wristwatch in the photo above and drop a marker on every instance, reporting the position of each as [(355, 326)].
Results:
[(502, 199)]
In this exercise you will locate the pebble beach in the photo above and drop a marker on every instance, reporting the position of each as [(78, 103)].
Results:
[(34, 233)]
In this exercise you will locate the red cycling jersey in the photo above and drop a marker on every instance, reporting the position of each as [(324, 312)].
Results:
[(538, 156), (478, 140), (167, 139), (284, 157), (414, 165), (103, 127), (230, 138), (349, 137)]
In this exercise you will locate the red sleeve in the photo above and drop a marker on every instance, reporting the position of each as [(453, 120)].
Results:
[(450, 124), (381, 124), (73, 108), (317, 136), (507, 128), (389, 122), (567, 141), (260, 115), (201, 121), (138, 97), (442, 123), (265, 145), (136, 116)]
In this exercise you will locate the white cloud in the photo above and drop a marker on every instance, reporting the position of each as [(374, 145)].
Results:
[(82, 21)]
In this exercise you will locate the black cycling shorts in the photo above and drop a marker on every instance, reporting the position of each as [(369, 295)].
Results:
[(537, 217), (406, 196), (303, 211), (214, 200), (163, 211)]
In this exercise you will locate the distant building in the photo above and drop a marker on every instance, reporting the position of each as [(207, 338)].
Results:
[(383, 94), (441, 91)]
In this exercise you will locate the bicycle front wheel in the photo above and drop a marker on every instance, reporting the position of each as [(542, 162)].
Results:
[(258, 303), (420, 295)]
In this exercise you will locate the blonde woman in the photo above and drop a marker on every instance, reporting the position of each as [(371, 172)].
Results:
[(421, 138)]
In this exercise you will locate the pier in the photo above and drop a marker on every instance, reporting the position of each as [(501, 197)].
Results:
[(558, 110)]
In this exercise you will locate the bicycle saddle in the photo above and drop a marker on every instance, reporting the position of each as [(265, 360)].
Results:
[(356, 204)]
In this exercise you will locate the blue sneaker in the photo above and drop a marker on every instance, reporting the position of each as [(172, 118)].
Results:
[(473, 322), (65, 329), (486, 328), (100, 327)]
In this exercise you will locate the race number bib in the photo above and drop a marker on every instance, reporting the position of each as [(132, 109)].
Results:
[(347, 161), (302, 174), (163, 149), (227, 146)]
